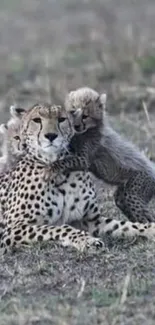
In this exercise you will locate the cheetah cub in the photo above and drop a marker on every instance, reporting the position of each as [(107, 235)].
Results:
[(95, 146), (10, 140)]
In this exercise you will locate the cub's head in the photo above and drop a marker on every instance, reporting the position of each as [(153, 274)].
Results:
[(86, 108), (45, 131), (10, 140)]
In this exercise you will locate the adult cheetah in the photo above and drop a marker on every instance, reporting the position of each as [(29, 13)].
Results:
[(32, 208)]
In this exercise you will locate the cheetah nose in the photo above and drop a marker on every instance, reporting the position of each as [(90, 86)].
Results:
[(51, 136), (77, 128)]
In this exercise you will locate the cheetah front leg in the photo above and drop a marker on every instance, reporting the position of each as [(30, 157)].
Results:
[(66, 235), (133, 198)]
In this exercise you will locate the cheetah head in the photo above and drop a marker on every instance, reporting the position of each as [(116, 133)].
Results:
[(86, 108), (45, 131)]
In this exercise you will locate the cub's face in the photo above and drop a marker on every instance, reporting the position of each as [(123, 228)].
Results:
[(86, 109), (11, 140)]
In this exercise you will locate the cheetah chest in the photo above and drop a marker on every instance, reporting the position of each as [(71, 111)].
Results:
[(30, 197), (78, 193)]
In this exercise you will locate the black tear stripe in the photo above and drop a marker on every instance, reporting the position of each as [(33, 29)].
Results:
[(41, 127)]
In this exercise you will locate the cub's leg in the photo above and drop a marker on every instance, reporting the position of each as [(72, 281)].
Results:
[(133, 197)]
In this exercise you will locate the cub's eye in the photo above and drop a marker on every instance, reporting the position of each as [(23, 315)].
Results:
[(84, 116), (17, 137), (37, 120), (61, 119)]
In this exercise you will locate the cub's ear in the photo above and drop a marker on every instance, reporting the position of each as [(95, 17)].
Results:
[(103, 100), (17, 111), (3, 128)]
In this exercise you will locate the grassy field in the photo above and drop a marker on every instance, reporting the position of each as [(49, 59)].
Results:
[(46, 49)]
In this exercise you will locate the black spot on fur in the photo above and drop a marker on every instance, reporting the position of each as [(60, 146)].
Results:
[(44, 231), (37, 206), (108, 220), (73, 185), (17, 232), (23, 207), (26, 196), (64, 234), (86, 206), (28, 181), (8, 242), (92, 206), (40, 238), (18, 238), (108, 232), (115, 227), (26, 215), (50, 213), (134, 226), (54, 203), (62, 191), (32, 236)]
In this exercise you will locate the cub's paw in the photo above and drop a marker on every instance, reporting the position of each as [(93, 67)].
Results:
[(50, 175)]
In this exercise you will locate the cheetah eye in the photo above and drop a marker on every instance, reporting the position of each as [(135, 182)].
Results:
[(61, 119), (17, 137), (37, 120)]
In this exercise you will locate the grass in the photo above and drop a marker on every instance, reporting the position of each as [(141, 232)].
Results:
[(52, 285)]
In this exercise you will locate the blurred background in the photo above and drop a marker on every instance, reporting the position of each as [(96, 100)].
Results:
[(50, 47)]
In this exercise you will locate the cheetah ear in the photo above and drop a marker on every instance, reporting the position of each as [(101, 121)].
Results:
[(103, 100), (17, 111), (3, 128)]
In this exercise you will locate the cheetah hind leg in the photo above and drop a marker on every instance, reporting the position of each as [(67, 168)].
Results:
[(66, 235), (132, 205)]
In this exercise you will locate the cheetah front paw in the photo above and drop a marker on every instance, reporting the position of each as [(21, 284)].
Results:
[(85, 241)]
